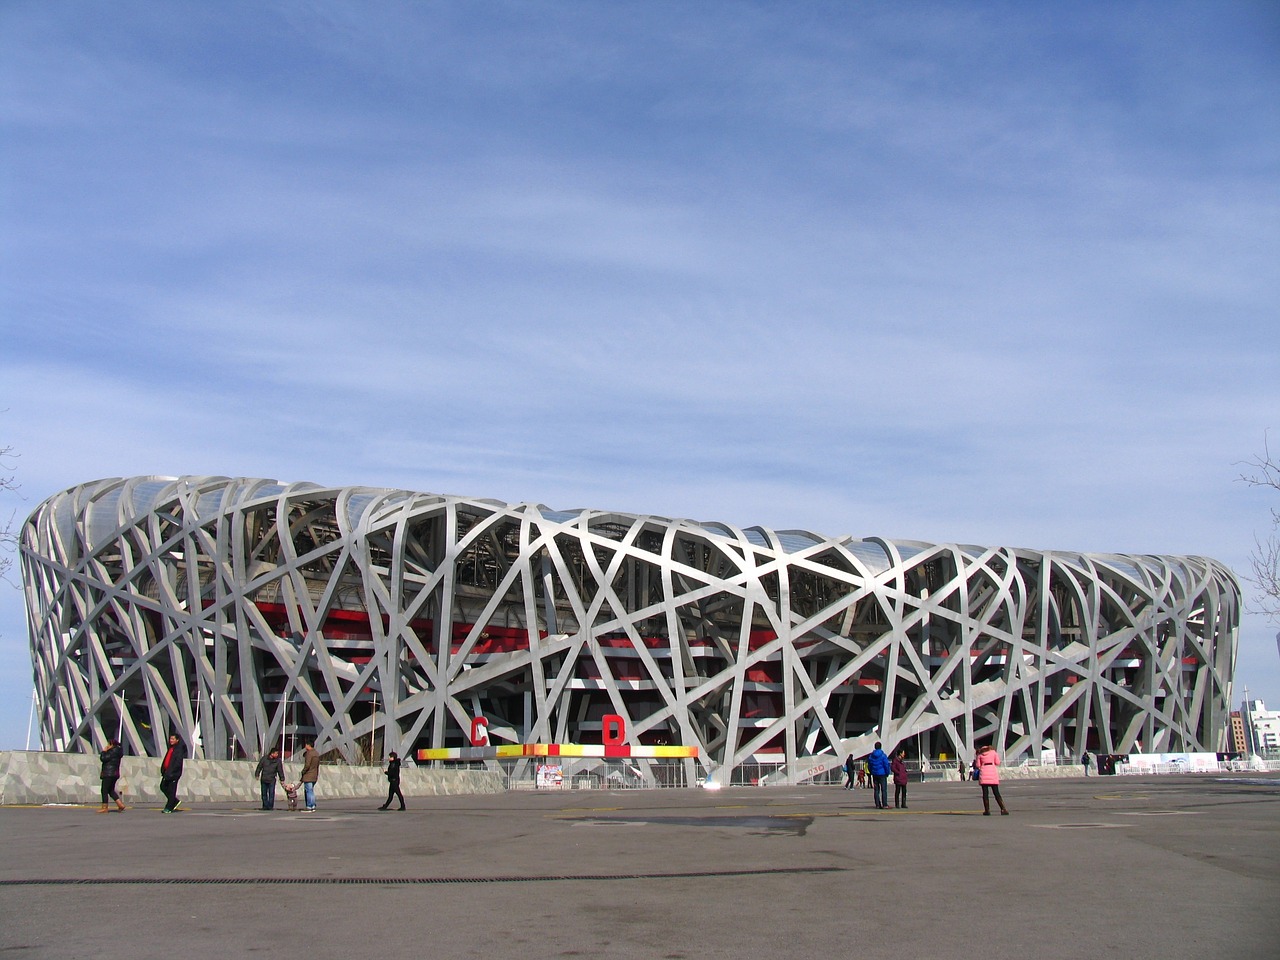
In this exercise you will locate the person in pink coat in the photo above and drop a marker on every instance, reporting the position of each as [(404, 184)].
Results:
[(900, 777), (988, 764)]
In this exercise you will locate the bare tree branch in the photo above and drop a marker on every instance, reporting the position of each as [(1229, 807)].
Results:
[(1265, 472), (8, 533)]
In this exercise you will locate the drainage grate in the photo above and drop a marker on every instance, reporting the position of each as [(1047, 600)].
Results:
[(402, 881)]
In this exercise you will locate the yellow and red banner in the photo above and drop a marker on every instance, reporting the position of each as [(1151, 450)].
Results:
[(516, 750)]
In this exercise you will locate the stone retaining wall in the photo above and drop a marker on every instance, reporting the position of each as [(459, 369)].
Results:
[(1038, 772), (37, 777)]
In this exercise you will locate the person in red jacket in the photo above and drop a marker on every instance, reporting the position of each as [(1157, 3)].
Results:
[(988, 763), (898, 765), (171, 772)]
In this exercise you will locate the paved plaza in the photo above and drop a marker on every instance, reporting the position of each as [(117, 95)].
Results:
[(1133, 867)]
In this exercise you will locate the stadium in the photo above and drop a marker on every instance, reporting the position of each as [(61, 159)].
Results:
[(244, 612)]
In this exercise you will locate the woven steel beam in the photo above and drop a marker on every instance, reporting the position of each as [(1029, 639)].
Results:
[(242, 612)]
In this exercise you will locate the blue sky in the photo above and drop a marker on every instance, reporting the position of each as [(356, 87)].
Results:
[(994, 273)]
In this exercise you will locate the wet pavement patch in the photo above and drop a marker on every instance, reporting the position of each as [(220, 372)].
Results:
[(793, 823)]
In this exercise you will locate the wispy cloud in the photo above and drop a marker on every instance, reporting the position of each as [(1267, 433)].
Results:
[(992, 274)]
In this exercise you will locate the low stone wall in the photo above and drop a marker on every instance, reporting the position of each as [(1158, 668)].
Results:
[(36, 777), (1042, 772)]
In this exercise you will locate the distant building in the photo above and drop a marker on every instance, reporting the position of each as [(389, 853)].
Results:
[(239, 612), (1236, 741), (1261, 728)]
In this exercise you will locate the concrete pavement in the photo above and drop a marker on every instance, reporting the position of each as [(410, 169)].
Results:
[(1170, 867)]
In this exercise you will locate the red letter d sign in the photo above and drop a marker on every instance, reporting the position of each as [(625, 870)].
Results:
[(615, 730)]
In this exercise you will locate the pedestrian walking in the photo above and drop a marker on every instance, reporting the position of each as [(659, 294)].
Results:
[(110, 758), (270, 768), (850, 772), (878, 765), (171, 772), (988, 763), (310, 774), (899, 767), (393, 781)]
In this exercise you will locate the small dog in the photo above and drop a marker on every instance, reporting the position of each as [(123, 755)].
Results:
[(291, 791)]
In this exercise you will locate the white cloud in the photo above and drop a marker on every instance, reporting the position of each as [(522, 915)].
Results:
[(927, 274)]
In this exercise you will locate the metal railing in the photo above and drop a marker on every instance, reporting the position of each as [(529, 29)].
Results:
[(596, 774)]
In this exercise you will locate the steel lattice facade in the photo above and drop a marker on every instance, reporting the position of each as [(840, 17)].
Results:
[(241, 611)]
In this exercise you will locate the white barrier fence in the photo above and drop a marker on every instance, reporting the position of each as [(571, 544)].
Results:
[(658, 774), (1255, 765)]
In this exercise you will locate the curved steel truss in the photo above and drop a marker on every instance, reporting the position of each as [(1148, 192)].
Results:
[(240, 611)]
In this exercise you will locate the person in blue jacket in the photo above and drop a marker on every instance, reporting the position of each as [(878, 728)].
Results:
[(878, 764)]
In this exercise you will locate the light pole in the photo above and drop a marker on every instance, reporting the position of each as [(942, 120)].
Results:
[(31, 715)]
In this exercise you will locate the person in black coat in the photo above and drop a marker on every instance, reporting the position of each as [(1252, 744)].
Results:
[(110, 758), (270, 768), (171, 772), (393, 781)]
